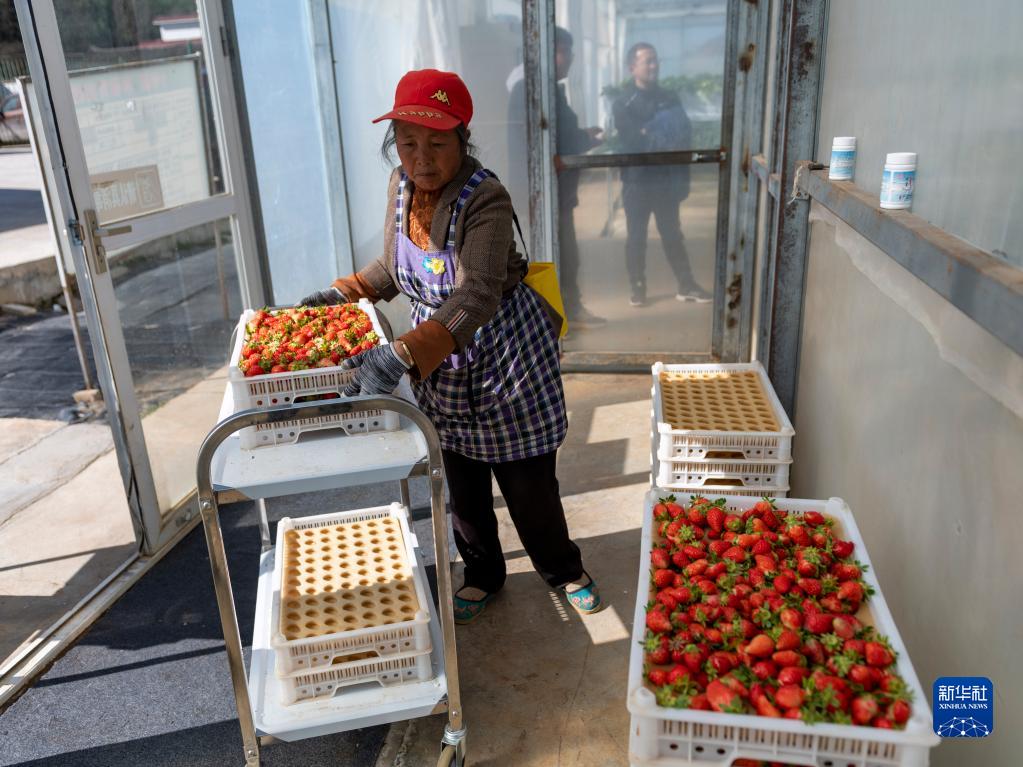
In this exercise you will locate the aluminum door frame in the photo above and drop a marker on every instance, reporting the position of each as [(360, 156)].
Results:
[(741, 128), (72, 196)]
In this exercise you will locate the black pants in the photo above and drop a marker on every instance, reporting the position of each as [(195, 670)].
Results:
[(639, 201), (530, 487)]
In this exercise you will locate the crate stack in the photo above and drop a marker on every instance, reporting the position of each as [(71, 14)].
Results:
[(294, 387), (350, 604), (719, 429)]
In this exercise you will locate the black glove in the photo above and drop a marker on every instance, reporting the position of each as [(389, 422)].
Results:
[(378, 371), (327, 297)]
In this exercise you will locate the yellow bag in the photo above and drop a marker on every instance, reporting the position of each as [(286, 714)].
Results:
[(543, 279)]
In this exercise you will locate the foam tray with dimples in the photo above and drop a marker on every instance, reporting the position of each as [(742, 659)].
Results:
[(348, 589)]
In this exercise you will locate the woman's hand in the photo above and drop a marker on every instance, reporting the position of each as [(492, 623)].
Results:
[(328, 297), (378, 371)]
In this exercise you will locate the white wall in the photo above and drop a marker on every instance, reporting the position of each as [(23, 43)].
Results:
[(914, 415), (943, 79), (276, 50)]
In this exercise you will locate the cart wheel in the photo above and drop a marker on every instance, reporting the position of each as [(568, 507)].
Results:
[(449, 758)]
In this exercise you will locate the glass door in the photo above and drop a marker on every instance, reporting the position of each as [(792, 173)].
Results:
[(137, 111), (639, 168)]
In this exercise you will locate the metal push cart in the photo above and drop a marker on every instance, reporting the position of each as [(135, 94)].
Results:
[(226, 474)]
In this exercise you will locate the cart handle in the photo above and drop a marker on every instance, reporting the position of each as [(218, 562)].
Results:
[(218, 557)]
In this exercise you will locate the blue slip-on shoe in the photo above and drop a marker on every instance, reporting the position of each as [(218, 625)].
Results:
[(585, 600), (468, 610)]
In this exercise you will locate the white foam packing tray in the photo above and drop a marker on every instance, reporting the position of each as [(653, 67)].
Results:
[(320, 652), (696, 444)]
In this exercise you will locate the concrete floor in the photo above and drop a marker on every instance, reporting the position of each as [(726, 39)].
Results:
[(542, 686)]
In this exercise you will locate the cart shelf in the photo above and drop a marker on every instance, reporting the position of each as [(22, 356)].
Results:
[(356, 708), (324, 460)]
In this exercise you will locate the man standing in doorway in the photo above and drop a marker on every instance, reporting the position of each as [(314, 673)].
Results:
[(571, 140), (651, 119)]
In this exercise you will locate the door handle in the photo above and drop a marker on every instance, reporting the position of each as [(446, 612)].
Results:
[(110, 231)]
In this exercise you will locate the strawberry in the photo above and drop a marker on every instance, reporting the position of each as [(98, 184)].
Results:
[(811, 586), (842, 549), (658, 622), (677, 675), (787, 658), (881, 723), (716, 518), (813, 518), (782, 584), (659, 558), (899, 712), (764, 707), (665, 598), (845, 626), (680, 560), (798, 535), (814, 650), (863, 676), (700, 703), (735, 553), (696, 515), (851, 591), (722, 698), (718, 547), (762, 507), (722, 662), (818, 623), (657, 677), (657, 652), (733, 523), (694, 550), (763, 546), (766, 563), (845, 572), (792, 675), (696, 568), (789, 696), (864, 709), (764, 669), (854, 647), (674, 510), (693, 658), (876, 654), (663, 578), (788, 640), (833, 604), (761, 646), (790, 617)]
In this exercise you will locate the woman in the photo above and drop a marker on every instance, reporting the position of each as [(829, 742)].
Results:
[(482, 354)]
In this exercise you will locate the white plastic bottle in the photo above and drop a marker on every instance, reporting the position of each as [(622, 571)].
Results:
[(898, 180), (843, 158)]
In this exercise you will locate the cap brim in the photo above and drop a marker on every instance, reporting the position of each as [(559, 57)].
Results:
[(422, 115)]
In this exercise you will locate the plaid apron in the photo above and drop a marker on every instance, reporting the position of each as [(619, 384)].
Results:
[(500, 398)]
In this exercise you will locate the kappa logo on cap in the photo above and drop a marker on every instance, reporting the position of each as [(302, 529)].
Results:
[(441, 96)]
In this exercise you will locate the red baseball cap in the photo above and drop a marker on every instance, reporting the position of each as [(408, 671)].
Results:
[(432, 98)]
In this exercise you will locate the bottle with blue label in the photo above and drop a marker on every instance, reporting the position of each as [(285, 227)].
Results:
[(898, 180), (843, 158)]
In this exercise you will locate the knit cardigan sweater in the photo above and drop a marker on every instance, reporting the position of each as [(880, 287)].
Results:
[(487, 264)]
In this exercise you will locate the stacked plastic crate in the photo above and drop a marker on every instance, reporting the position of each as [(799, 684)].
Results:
[(350, 604), (719, 429)]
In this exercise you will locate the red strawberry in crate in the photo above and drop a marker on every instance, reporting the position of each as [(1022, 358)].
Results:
[(674, 510), (764, 707), (722, 662), (790, 617), (764, 670), (842, 549), (716, 518), (657, 677), (761, 646), (678, 675), (722, 698), (657, 652), (788, 640), (877, 655), (792, 675), (658, 621), (844, 571), (813, 518), (863, 676), (660, 558), (718, 547), (680, 560), (789, 696), (899, 712), (700, 703), (814, 650), (851, 591), (787, 658), (864, 709), (810, 586), (663, 578)]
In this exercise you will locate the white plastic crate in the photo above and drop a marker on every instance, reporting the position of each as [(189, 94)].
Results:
[(276, 389), (367, 569), (715, 493), (324, 683), (669, 737), (723, 476), (722, 444)]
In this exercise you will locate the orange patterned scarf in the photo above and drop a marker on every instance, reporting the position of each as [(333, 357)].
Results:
[(420, 217)]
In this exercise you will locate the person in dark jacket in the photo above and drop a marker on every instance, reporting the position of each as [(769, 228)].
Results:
[(649, 118), (571, 140)]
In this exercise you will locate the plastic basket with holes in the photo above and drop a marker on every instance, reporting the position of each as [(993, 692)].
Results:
[(349, 600), (723, 476), (673, 737), (718, 492), (276, 389), (719, 412)]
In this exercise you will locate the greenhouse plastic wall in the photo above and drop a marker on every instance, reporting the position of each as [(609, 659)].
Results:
[(907, 408)]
